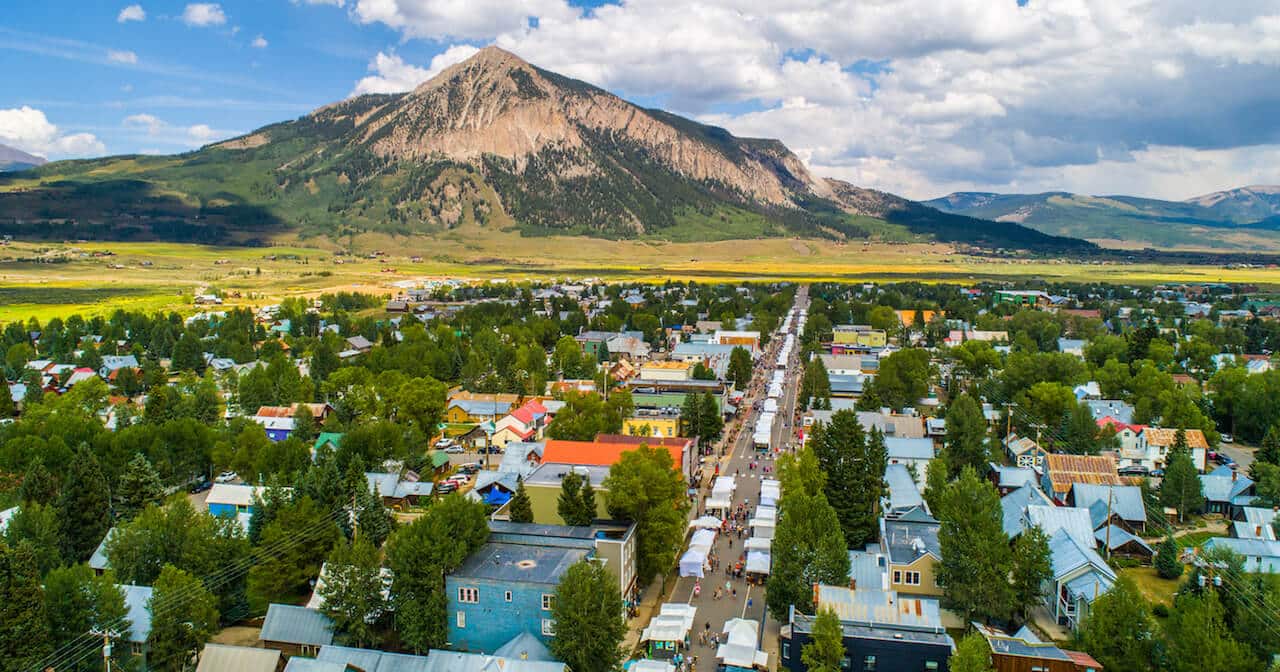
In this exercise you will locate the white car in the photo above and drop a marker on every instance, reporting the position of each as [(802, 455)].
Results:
[(1227, 438), (454, 449), (226, 477)]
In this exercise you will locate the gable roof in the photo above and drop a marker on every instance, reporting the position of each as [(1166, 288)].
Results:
[(1065, 470), (1219, 486), (1067, 555), (1126, 501), (136, 599), (1014, 508), (1072, 520), (291, 624), (226, 658), (371, 660), (1163, 436), (1120, 537)]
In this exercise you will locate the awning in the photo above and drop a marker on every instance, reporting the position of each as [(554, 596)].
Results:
[(707, 522), (758, 544), (718, 502), (758, 562), (691, 562)]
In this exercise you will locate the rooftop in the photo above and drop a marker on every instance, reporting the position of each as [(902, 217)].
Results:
[(523, 563), (290, 624), (908, 540), (552, 473)]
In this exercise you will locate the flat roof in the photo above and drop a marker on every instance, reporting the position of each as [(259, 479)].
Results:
[(524, 563), (551, 473)]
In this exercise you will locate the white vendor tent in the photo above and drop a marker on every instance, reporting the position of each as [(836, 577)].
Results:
[(707, 523), (739, 649)]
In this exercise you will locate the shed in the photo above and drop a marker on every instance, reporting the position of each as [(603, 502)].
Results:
[(295, 630)]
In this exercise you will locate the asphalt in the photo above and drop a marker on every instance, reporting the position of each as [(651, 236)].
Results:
[(738, 598)]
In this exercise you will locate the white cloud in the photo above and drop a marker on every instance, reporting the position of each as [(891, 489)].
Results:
[(122, 56), (259, 42), (396, 76), (29, 130), (334, 3), (202, 14), (201, 133), (147, 121), (161, 131), (916, 95), (131, 13)]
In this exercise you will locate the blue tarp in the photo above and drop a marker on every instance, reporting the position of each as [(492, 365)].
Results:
[(497, 497)]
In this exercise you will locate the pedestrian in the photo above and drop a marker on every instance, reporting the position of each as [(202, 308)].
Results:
[(748, 603)]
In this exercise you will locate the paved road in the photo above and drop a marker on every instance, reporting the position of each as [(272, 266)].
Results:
[(739, 599), (1242, 454)]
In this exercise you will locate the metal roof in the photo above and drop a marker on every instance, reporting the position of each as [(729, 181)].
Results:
[(370, 660), (1120, 537), (908, 448), (523, 563), (903, 493), (290, 624), (1067, 555), (1074, 521), (907, 541), (1220, 486), (135, 601), (1126, 500), (225, 658)]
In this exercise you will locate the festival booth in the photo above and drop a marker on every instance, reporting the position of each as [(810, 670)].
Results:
[(762, 527), (668, 631), (650, 666), (770, 492), (758, 544), (706, 523), (758, 565), (738, 653), (694, 560)]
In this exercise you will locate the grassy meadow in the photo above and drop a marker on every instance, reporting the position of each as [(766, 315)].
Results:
[(44, 280)]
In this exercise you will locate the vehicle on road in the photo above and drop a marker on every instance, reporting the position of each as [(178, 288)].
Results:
[(227, 477), (1133, 470), (1223, 459), (1227, 438), (200, 486), (454, 449), (446, 487)]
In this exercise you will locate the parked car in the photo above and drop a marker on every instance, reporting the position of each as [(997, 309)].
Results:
[(444, 443), (446, 487), (469, 468), (200, 486), (1133, 470), (1227, 438), (1223, 459), (454, 449), (227, 477), (460, 479), (1157, 473)]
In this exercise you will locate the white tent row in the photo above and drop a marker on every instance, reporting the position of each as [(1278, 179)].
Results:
[(723, 484), (762, 528), (692, 563), (671, 624), (652, 665), (771, 405), (758, 544), (703, 539), (764, 512), (758, 562), (775, 390), (778, 377), (707, 523), (718, 502)]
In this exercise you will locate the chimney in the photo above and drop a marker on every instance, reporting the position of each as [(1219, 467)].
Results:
[(1234, 476)]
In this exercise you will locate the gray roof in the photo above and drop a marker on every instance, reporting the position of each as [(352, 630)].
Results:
[(903, 493), (225, 658), (524, 646), (1120, 537), (865, 569), (1014, 477), (289, 624), (371, 660), (135, 601), (394, 486), (481, 406), (908, 449), (905, 541), (1253, 547), (1126, 501), (513, 457), (1072, 520), (552, 473), (1120, 410), (1219, 487), (98, 560), (454, 661), (846, 384), (519, 563), (505, 479), (1067, 555)]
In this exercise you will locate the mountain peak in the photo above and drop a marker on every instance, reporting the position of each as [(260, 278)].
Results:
[(489, 63), (12, 158)]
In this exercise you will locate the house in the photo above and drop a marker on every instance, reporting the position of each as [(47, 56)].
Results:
[(111, 363), (398, 490), (607, 449), (1063, 471), (1014, 506), (1090, 391), (881, 631), (1226, 491), (521, 458), (1080, 575), (326, 441), (667, 370), (1120, 411), (908, 317), (957, 336), (524, 653), (295, 631), (472, 408), (914, 454), (1024, 652), (331, 658), (543, 487), (230, 499), (225, 658), (912, 552), (1258, 523), (137, 602), (1261, 556), (1023, 297), (903, 494), (610, 543), (1151, 449), (98, 562), (1109, 504), (1072, 520), (505, 589), (893, 424), (1007, 479), (278, 421), (1072, 346), (526, 423), (360, 344), (1024, 452)]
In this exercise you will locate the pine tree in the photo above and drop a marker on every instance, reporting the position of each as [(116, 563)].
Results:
[(77, 600), (1268, 452), (138, 487), (38, 485), (588, 615), (520, 509), (825, 650), (24, 631), (588, 497), (8, 409), (373, 521), (690, 417), (966, 436), (1032, 569), (1167, 563), (1181, 488), (570, 505), (808, 548), (1198, 638), (85, 506), (711, 422)]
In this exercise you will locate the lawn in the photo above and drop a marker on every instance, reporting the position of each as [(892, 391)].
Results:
[(1196, 539), (1157, 590)]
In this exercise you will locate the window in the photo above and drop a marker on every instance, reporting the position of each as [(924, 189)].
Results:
[(869, 664), (136, 648), (897, 576), (469, 595), (913, 578), (549, 627), (786, 650), (931, 665), (462, 619), (548, 601), (507, 596)]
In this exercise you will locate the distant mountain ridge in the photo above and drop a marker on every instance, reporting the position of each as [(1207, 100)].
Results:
[(489, 142), (16, 159), (1237, 219)]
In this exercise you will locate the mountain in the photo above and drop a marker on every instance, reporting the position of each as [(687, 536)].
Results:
[(1244, 219), (16, 159), (489, 142)]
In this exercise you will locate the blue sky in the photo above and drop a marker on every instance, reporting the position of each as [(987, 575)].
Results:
[(1167, 99)]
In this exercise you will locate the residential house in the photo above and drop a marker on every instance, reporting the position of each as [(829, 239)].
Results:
[(1119, 411), (1014, 506), (360, 344), (1007, 479), (902, 492), (1227, 491), (330, 658), (470, 407), (503, 590), (1080, 575), (526, 423), (295, 631), (1024, 652), (112, 363), (226, 658), (1089, 391), (231, 499), (1072, 346), (881, 630), (912, 552), (914, 454), (328, 441), (1258, 523), (1151, 445), (524, 653), (278, 421), (957, 336), (1023, 297), (398, 490), (1112, 505), (1024, 451), (1261, 556), (137, 601), (908, 317), (1061, 472), (667, 370), (892, 424)]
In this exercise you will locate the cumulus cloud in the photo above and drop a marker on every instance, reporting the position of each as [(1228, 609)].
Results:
[(29, 130), (122, 56), (916, 96), (259, 42), (161, 131), (393, 75), (131, 13), (203, 14)]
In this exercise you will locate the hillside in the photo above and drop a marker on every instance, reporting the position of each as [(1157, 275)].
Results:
[(492, 142), (15, 159), (1244, 219)]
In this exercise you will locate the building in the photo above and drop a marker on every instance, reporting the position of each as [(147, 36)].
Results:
[(1061, 472), (608, 449), (112, 363), (137, 600), (224, 658), (858, 336), (1112, 505), (652, 422), (527, 423), (1227, 491), (881, 631), (1080, 575), (230, 499), (1258, 523), (503, 590), (295, 631), (908, 317), (543, 487), (613, 544), (1261, 556), (914, 454), (1024, 452), (398, 490), (746, 339), (279, 420), (1023, 297), (667, 370), (912, 552), (1024, 652), (471, 408)]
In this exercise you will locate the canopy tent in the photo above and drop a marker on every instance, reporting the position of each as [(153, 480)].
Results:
[(768, 499), (739, 649), (707, 522), (703, 539), (692, 562), (766, 513), (724, 485), (758, 544), (650, 665), (771, 405), (758, 562), (672, 624), (762, 528), (721, 502)]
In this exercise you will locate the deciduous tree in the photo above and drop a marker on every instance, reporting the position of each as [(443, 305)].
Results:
[(808, 548), (184, 615), (966, 440), (645, 487), (825, 650), (353, 591), (588, 617), (972, 654), (976, 557)]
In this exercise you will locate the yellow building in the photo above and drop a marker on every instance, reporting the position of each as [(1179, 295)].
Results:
[(667, 370), (543, 487), (652, 425), (912, 553), (865, 337), (908, 317)]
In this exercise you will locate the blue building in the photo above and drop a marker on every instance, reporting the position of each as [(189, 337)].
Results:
[(504, 590), (231, 500)]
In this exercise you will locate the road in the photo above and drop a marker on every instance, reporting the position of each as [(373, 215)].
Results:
[(739, 599)]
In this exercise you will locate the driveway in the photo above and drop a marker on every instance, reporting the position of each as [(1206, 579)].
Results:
[(1242, 454)]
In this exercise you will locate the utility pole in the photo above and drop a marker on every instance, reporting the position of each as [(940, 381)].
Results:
[(107, 636)]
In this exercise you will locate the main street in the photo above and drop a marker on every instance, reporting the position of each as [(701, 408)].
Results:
[(735, 597)]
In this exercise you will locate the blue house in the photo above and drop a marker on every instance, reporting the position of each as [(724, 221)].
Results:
[(231, 500), (503, 590)]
